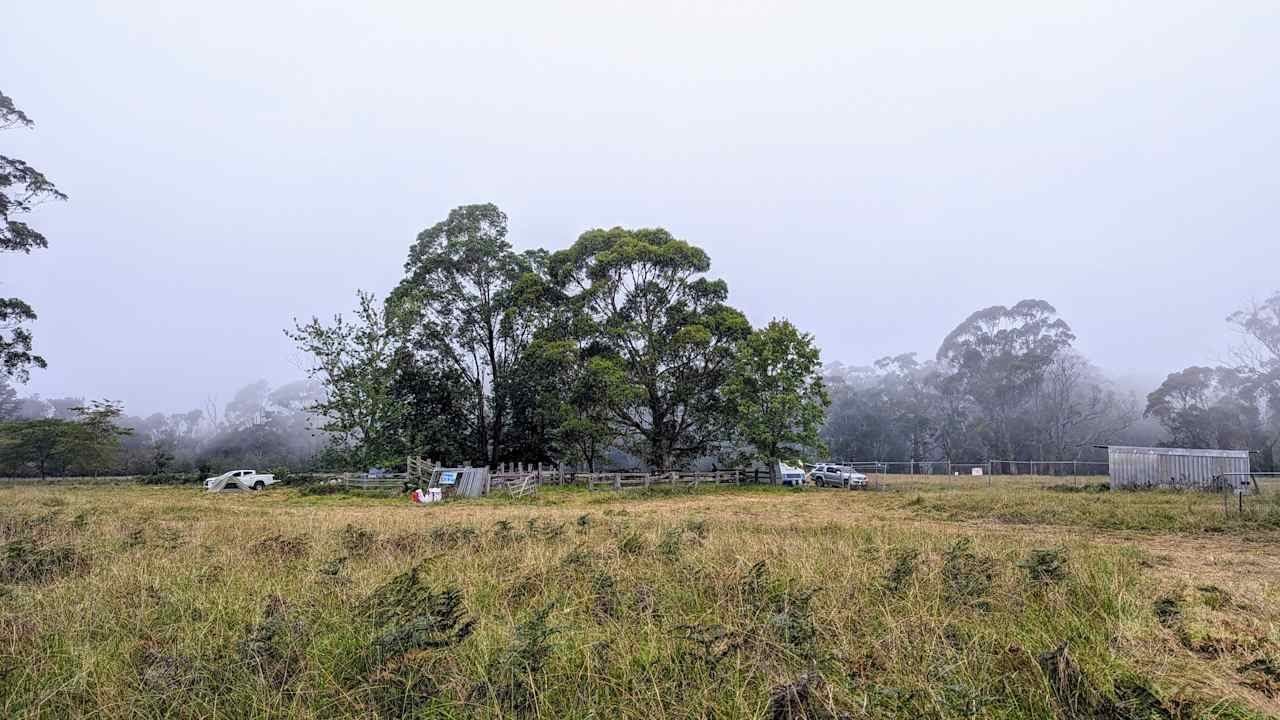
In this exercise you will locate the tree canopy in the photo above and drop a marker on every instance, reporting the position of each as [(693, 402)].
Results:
[(777, 393), (641, 301), (22, 187)]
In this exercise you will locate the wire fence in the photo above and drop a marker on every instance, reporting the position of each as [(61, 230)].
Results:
[(1051, 468)]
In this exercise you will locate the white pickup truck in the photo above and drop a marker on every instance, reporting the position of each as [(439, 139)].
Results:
[(244, 479)]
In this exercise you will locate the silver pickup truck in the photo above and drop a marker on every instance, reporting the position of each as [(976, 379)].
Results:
[(829, 475)]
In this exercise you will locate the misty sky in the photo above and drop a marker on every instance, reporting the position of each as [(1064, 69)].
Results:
[(872, 171)]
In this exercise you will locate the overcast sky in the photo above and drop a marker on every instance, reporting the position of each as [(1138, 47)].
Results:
[(872, 171)]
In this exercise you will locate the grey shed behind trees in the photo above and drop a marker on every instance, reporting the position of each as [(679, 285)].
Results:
[(1190, 469)]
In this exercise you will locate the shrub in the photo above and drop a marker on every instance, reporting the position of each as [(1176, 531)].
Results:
[(1086, 488), (632, 543), (276, 646), (26, 562), (511, 676), (281, 547), (312, 489), (1045, 566), (669, 545), (903, 569), (170, 479), (800, 699), (713, 642), (787, 612), (966, 577), (406, 599), (698, 528), (578, 557), (604, 594), (162, 672), (357, 540)]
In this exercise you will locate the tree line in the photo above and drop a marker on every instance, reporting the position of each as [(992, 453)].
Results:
[(1234, 404), (1007, 384), (259, 427), (622, 349)]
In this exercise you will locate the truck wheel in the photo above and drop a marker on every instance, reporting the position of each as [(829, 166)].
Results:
[(258, 485)]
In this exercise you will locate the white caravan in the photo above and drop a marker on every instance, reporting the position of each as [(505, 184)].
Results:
[(788, 475)]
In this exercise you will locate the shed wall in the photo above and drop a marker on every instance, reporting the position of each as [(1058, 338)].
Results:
[(1173, 467)]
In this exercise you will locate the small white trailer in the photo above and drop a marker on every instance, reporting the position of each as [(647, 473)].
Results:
[(243, 479)]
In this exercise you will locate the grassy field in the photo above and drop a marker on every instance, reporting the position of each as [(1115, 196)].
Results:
[(929, 600)]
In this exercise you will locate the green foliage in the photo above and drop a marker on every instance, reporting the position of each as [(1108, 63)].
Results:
[(1209, 407), (26, 561), (511, 677), (899, 574), (357, 540), (275, 648), (632, 543), (777, 393), (22, 187), (465, 309), (39, 443), (967, 576), (663, 335), (1046, 565), (94, 442), (89, 445), (170, 479), (355, 362)]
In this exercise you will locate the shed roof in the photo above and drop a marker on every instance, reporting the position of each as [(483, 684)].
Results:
[(1192, 452)]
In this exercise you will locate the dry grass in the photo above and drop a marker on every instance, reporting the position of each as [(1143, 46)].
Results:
[(753, 602)]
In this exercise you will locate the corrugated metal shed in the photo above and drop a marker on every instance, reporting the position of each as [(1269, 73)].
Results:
[(1192, 469)]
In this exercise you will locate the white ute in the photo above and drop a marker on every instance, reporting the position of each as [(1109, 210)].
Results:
[(245, 479)]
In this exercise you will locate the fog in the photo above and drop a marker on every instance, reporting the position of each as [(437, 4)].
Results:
[(872, 173)]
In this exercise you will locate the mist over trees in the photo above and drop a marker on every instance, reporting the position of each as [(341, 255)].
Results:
[(623, 350), (1005, 384), (1235, 404), (260, 427)]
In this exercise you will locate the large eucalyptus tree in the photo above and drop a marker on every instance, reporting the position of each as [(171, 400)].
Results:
[(643, 304), (998, 357), (460, 295)]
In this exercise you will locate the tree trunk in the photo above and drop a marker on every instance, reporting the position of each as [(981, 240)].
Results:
[(495, 434)]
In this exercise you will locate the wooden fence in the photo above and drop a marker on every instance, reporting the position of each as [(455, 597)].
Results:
[(523, 479), (628, 481), (390, 481)]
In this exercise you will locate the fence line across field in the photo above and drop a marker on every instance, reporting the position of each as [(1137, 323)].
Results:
[(988, 467)]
